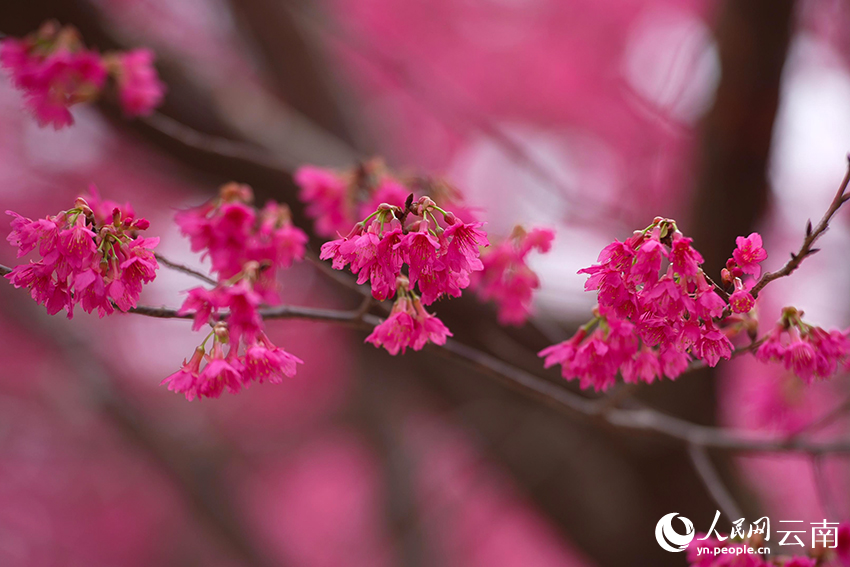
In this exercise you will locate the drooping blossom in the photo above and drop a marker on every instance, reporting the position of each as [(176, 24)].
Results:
[(139, 89), (326, 195), (506, 277), (808, 351), (251, 355), (55, 71), (440, 255), (246, 248), (99, 265), (265, 362), (409, 325)]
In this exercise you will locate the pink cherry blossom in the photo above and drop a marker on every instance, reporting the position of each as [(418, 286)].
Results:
[(741, 301), (506, 277), (326, 195), (408, 325), (266, 362), (100, 266), (749, 254), (185, 380), (139, 89)]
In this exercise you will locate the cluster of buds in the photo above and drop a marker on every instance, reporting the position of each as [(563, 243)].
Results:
[(657, 310), (55, 71), (86, 257)]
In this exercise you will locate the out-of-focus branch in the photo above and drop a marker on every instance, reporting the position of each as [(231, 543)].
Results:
[(827, 501), (713, 483)]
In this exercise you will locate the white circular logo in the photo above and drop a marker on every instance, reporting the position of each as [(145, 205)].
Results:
[(668, 538)]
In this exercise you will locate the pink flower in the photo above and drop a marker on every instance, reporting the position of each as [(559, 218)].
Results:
[(244, 320), (238, 240), (463, 251), (644, 366), (326, 195), (203, 303), (741, 301), (563, 353), (507, 279), (90, 291), (684, 258), (421, 251), (195, 224), (218, 374), (648, 262), (595, 359), (53, 77), (139, 89), (674, 362), (266, 362), (805, 349), (713, 345), (185, 380), (408, 325), (77, 243), (83, 261), (749, 254), (389, 191), (800, 357)]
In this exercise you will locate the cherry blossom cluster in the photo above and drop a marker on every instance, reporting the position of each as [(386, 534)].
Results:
[(408, 324), (336, 199), (657, 310), (438, 250), (806, 350), (97, 261), (507, 279), (231, 233), (246, 247), (55, 71)]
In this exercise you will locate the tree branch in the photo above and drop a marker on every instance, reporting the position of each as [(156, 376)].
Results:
[(185, 269), (811, 237), (713, 483)]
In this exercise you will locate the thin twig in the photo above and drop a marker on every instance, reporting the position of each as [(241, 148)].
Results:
[(713, 483), (812, 234), (185, 269)]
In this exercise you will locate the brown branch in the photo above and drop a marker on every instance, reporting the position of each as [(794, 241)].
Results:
[(184, 269), (812, 234), (645, 420)]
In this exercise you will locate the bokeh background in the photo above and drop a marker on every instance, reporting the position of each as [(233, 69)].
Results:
[(589, 116)]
